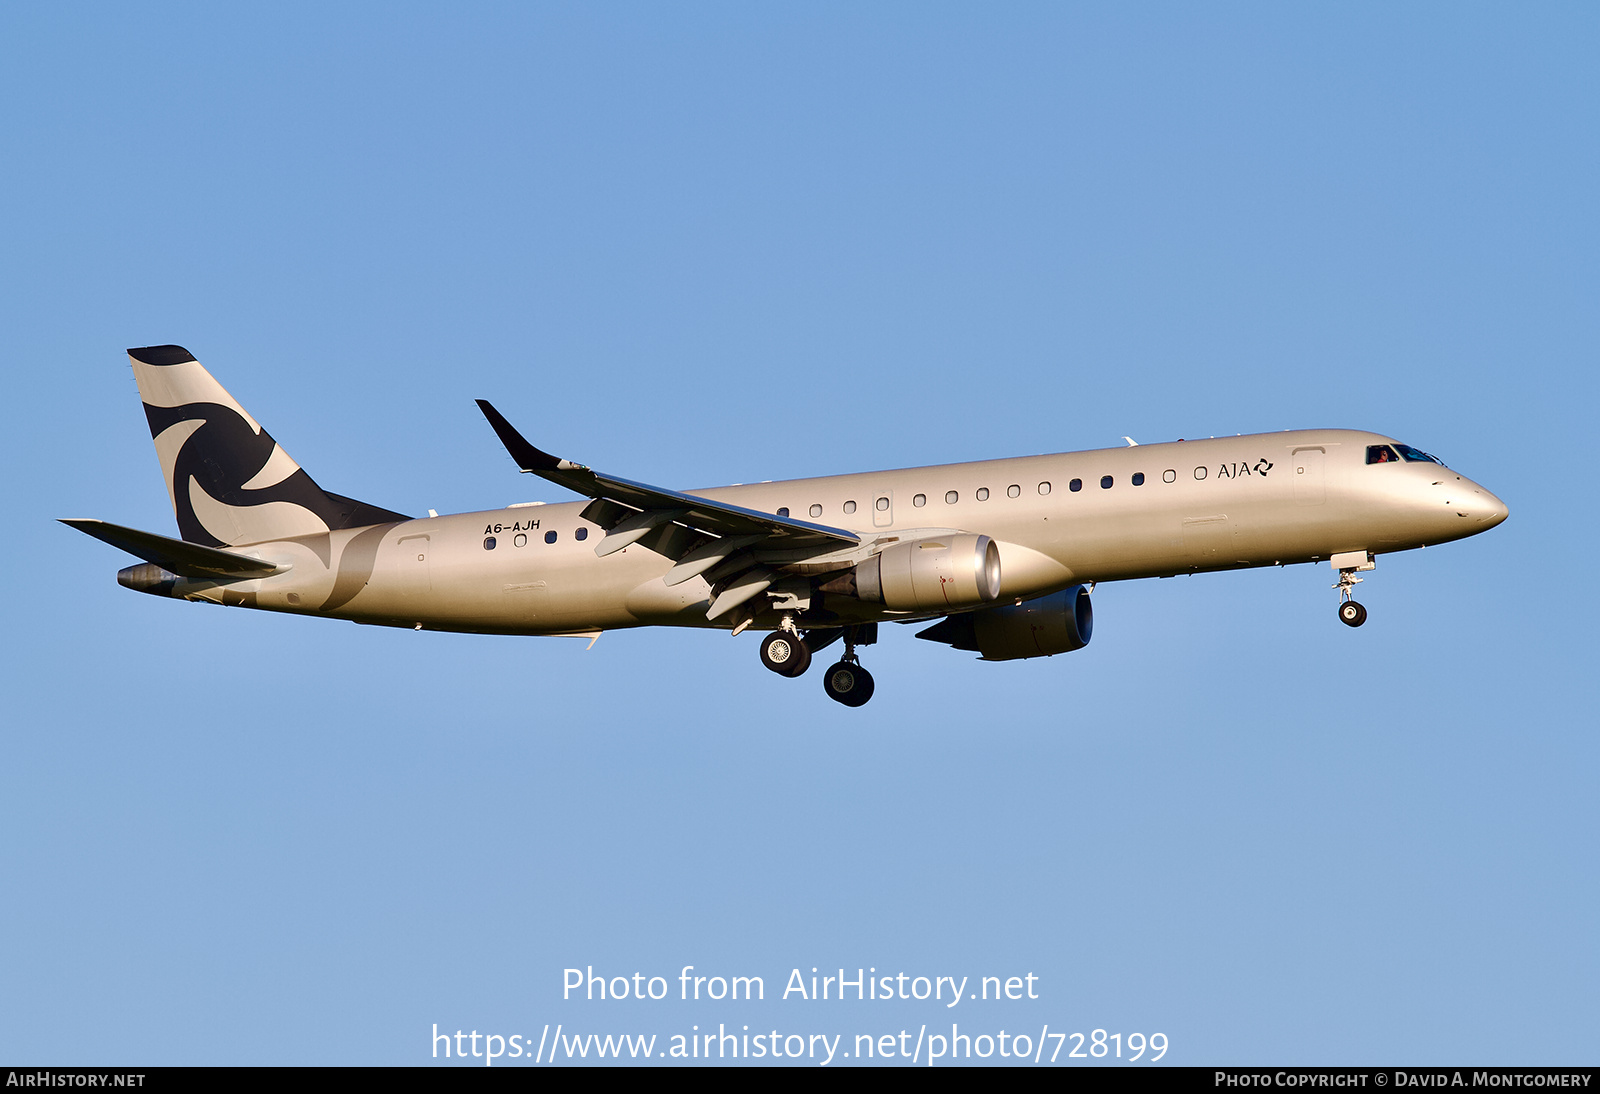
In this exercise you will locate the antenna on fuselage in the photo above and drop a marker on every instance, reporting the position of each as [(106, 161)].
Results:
[(1131, 442)]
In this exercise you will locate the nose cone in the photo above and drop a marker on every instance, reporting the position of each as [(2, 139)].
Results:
[(1459, 507), (1496, 510), (1478, 506)]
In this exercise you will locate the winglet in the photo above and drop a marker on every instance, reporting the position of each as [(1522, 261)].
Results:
[(529, 458)]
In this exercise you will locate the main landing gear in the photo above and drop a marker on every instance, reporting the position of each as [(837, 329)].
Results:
[(848, 683), (786, 653)]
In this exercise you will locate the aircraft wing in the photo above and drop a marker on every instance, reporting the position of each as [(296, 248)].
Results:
[(174, 555), (741, 552), (717, 517)]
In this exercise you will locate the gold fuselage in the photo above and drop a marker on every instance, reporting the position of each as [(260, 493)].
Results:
[(1222, 503)]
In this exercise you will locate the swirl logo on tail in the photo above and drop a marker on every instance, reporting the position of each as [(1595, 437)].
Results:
[(230, 482)]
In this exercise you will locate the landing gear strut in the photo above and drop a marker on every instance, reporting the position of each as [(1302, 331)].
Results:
[(1351, 614), (846, 681), (786, 653)]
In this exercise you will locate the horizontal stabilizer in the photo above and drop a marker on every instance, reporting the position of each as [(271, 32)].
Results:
[(174, 555)]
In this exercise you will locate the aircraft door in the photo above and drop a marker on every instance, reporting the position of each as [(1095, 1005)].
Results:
[(883, 509), (411, 562), (1308, 476)]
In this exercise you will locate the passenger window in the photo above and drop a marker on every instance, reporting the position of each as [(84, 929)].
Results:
[(816, 510), (1381, 453), (1075, 485), (550, 536), (1169, 475), (784, 511), (882, 505), (488, 543), (983, 493), (1044, 488), (1105, 482), (1013, 491), (580, 534), (920, 500), (849, 507), (1199, 473), (951, 497), (1138, 478), (520, 540)]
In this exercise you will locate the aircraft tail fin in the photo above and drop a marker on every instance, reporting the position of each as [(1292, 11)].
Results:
[(231, 484)]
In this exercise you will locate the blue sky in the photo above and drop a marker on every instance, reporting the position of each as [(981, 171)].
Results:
[(719, 243)]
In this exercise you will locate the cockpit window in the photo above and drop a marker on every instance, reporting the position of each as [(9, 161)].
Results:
[(1381, 453), (1416, 455)]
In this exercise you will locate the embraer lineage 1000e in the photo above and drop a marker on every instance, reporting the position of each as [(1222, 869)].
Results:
[(1001, 552)]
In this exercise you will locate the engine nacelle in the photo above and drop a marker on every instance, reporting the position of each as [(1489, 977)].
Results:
[(1058, 623), (936, 573)]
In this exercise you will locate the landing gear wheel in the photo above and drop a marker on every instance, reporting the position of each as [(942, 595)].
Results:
[(1352, 614), (848, 683), (785, 654)]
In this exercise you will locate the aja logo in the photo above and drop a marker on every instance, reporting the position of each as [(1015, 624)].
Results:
[(1234, 470)]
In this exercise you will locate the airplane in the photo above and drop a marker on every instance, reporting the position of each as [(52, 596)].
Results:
[(999, 555)]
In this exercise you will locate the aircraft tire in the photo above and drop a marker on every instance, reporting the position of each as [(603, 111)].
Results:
[(1352, 614), (848, 684), (785, 654)]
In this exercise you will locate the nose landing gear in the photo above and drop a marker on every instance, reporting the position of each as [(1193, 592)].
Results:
[(1351, 614)]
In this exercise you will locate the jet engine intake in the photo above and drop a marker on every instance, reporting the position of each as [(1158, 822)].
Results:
[(937, 572), (1058, 623)]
